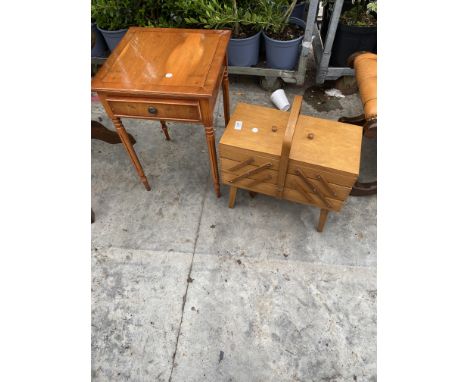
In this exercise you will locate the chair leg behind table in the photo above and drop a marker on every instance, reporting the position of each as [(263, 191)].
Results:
[(102, 133)]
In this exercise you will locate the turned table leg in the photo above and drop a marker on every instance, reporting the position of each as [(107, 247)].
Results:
[(210, 141), (165, 131), (226, 96), (232, 196), (322, 219), (131, 152), (207, 118)]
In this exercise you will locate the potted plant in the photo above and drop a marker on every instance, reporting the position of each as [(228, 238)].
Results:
[(113, 17), (283, 34), (98, 45), (299, 10), (356, 31), (236, 15), (244, 44), (153, 13)]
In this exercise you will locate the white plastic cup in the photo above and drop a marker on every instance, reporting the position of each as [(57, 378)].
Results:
[(278, 97)]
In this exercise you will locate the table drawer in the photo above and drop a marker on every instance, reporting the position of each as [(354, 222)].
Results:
[(158, 109)]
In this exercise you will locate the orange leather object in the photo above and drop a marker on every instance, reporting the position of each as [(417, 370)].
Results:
[(365, 67)]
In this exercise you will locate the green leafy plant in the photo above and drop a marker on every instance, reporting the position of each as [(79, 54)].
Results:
[(113, 14), (119, 14), (243, 17), (372, 6), (152, 13), (240, 16), (362, 13), (276, 14)]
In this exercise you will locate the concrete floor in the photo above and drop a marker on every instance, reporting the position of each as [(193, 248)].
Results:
[(186, 289)]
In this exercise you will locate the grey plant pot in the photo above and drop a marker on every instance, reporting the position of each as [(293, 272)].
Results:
[(299, 11), (244, 51), (283, 54), (100, 48), (112, 37)]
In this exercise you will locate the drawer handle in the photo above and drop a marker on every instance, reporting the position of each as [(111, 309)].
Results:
[(312, 188), (251, 172), (304, 192), (152, 110), (326, 185), (242, 164)]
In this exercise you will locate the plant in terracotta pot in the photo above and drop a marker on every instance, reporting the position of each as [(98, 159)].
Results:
[(356, 30), (113, 17), (283, 33), (237, 15)]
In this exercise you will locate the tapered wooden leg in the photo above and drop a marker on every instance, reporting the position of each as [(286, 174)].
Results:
[(131, 152), (165, 131), (226, 96), (206, 107), (232, 196), (210, 141), (322, 219)]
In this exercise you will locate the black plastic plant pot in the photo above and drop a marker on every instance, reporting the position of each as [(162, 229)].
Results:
[(244, 51), (350, 39), (112, 37), (100, 47), (284, 54), (327, 13)]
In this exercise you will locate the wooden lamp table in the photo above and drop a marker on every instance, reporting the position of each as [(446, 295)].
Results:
[(166, 74)]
